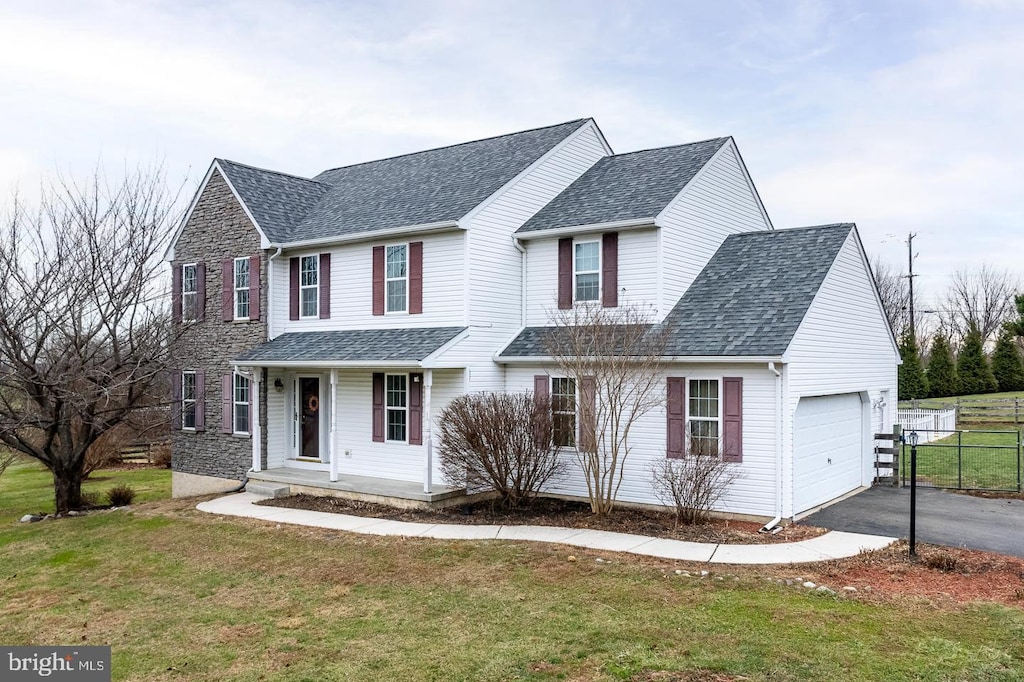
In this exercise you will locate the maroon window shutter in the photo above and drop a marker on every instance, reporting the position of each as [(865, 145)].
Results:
[(675, 445), (415, 278), (226, 403), (227, 290), (254, 287), (540, 398), (200, 291), (293, 288), (378, 407), (325, 286), (176, 400), (176, 295), (732, 419), (200, 400), (540, 386), (415, 409), (378, 280), (610, 269), (565, 273), (588, 415)]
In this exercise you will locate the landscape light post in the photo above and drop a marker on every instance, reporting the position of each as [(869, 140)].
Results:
[(913, 492)]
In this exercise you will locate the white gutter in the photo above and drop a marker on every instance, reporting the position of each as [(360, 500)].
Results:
[(778, 450), (693, 360), (317, 364), (375, 235), (522, 280), (616, 226)]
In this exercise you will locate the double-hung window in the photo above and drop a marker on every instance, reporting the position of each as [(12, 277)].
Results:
[(396, 406), (704, 417), (396, 278), (587, 271), (309, 286), (563, 411), (188, 400), (241, 288), (189, 291), (240, 403)]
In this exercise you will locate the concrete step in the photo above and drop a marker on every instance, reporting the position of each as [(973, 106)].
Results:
[(267, 489)]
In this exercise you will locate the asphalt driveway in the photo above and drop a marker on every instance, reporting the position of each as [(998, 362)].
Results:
[(943, 518)]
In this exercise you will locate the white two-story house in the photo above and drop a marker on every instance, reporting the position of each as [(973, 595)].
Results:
[(327, 321)]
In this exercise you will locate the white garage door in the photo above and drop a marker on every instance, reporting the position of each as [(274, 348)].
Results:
[(827, 449)]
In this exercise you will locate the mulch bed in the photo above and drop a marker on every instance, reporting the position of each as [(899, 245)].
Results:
[(552, 512)]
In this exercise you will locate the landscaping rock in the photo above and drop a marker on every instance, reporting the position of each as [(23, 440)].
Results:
[(809, 585), (826, 590), (31, 518), (849, 588)]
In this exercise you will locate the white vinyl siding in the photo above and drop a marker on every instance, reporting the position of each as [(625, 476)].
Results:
[(716, 203), (241, 289)]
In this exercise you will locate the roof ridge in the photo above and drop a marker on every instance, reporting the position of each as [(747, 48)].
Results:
[(268, 170), (452, 146), (784, 230), (671, 146)]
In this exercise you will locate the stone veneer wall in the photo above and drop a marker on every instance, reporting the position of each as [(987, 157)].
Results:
[(217, 229)]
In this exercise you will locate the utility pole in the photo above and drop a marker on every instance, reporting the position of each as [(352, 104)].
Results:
[(910, 279)]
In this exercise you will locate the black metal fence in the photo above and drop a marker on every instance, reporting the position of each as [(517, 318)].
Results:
[(967, 460)]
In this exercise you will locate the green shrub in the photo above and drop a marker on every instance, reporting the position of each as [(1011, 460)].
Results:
[(120, 495)]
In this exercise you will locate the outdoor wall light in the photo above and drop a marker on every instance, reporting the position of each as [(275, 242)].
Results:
[(279, 385)]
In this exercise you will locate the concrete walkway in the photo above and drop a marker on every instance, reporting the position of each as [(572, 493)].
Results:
[(833, 545)]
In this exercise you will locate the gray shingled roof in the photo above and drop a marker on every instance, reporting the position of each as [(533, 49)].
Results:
[(748, 301), (426, 187), (357, 345), (626, 186), (276, 200)]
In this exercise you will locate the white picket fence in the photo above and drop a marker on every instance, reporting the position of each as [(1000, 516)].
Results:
[(929, 424)]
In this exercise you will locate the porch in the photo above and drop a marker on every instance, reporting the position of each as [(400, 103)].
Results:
[(404, 494)]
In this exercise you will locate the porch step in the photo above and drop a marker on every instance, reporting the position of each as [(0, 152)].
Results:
[(268, 489)]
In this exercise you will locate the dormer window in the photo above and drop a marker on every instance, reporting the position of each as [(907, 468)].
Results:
[(587, 271)]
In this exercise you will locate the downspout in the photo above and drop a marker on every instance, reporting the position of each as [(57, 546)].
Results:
[(768, 527), (522, 278), (270, 290)]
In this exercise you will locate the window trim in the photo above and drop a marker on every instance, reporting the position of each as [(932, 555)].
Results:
[(388, 280), (186, 312), (235, 403), (315, 287), (193, 401), (717, 420), (575, 272), (575, 412), (388, 409), (238, 289)]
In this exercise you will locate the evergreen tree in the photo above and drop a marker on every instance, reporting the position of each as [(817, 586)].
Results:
[(941, 373), (1006, 363), (972, 366), (912, 382), (1016, 326)]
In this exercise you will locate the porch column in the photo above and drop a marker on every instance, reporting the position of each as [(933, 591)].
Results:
[(428, 439), (331, 448), (255, 374)]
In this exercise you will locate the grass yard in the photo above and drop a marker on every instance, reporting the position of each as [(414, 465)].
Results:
[(988, 460), (181, 595)]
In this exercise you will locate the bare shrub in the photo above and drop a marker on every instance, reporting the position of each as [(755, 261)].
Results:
[(120, 495), (106, 450), (161, 456), (499, 441), (693, 484)]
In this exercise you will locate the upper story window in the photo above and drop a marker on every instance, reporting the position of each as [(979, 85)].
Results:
[(587, 271), (396, 278), (240, 403), (241, 288), (309, 286), (189, 291), (704, 416), (188, 400), (397, 406), (563, 411)]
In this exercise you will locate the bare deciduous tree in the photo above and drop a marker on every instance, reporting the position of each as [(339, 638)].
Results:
[(85, 333), (983, 296), (615, 357), (500, 441), (694, 483), (894, 292)]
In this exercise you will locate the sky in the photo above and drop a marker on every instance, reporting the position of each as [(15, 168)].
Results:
[(899, 116)]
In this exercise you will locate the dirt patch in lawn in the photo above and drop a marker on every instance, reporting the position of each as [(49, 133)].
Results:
[(552, 512)]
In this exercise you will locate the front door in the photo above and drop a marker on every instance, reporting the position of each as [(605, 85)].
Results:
[(309, 407)]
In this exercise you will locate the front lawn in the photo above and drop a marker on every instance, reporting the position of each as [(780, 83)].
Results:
[(182, 595)]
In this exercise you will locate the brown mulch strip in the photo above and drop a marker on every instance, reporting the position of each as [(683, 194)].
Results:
[(552, 512)]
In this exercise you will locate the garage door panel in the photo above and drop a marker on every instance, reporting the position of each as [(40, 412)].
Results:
[(827, 448)]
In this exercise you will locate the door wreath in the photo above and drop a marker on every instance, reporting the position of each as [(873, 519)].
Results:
[(313, 403)]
